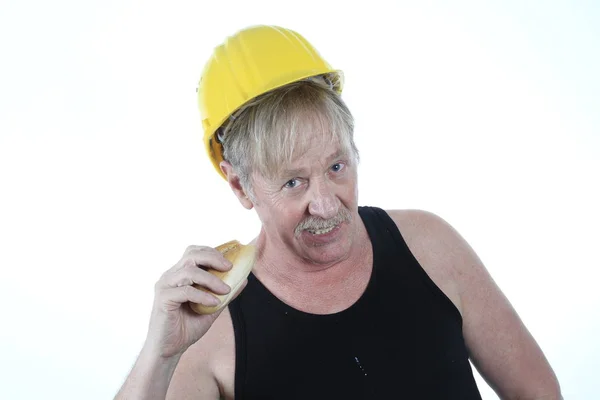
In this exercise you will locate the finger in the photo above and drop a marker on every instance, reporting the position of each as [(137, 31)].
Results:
[(194, 247), (208, 258), (203, 256), (194, 275), (174, 297)]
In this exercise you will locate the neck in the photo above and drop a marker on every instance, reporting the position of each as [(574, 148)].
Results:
[(278, 268)]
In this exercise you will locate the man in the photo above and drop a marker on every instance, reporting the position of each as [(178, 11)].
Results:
[(344, 302)]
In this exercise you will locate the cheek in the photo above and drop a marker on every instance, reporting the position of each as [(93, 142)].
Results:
[(282, 214), (348, 192), (290, 217)]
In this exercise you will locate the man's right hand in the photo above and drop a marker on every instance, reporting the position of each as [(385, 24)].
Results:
[(173, 325)]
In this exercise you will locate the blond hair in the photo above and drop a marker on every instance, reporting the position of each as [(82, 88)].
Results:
[(265, 134)]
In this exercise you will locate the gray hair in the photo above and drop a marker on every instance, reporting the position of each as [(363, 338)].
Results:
[(265, 134)]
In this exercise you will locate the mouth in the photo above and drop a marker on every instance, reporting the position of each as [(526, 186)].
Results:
[(321, 231)]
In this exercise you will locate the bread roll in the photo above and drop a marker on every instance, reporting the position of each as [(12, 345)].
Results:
[(242, 257)]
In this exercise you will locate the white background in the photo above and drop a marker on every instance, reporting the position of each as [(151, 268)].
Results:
[(486, 113)]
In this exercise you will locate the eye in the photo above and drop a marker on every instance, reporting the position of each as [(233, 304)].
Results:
[(337, 167), (292, 183)]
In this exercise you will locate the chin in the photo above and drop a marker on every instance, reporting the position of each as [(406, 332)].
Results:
[(327, 248)]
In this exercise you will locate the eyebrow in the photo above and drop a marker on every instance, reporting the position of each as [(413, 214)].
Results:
[(298, 171)]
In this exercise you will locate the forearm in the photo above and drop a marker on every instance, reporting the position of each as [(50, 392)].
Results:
[(149, 378)]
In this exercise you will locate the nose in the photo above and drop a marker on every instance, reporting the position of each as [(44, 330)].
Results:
[(323, 201)]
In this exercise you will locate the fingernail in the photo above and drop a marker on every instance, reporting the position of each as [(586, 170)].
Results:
[(214, 301)]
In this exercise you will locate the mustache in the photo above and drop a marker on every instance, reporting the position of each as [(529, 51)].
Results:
[(315, 223)]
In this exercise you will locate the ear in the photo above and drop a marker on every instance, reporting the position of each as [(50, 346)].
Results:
[(234, 182)]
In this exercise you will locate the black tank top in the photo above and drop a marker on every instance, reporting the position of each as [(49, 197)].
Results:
[(401, 340)]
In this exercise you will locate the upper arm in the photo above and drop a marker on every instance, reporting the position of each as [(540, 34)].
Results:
[(193, 379), (501, 347), (206, 370)]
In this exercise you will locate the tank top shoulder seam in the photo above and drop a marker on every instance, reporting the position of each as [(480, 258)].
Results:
[(387, 221)]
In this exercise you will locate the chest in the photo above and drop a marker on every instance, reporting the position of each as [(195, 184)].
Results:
[(379, 348)]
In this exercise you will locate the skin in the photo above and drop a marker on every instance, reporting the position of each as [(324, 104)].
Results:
[(196, 359)]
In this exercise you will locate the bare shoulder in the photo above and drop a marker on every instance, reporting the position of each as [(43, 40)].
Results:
[(206, 369), (437, 247), (500, 345)]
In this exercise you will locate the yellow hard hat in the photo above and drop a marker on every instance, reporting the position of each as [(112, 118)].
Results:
[(252, 62)]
